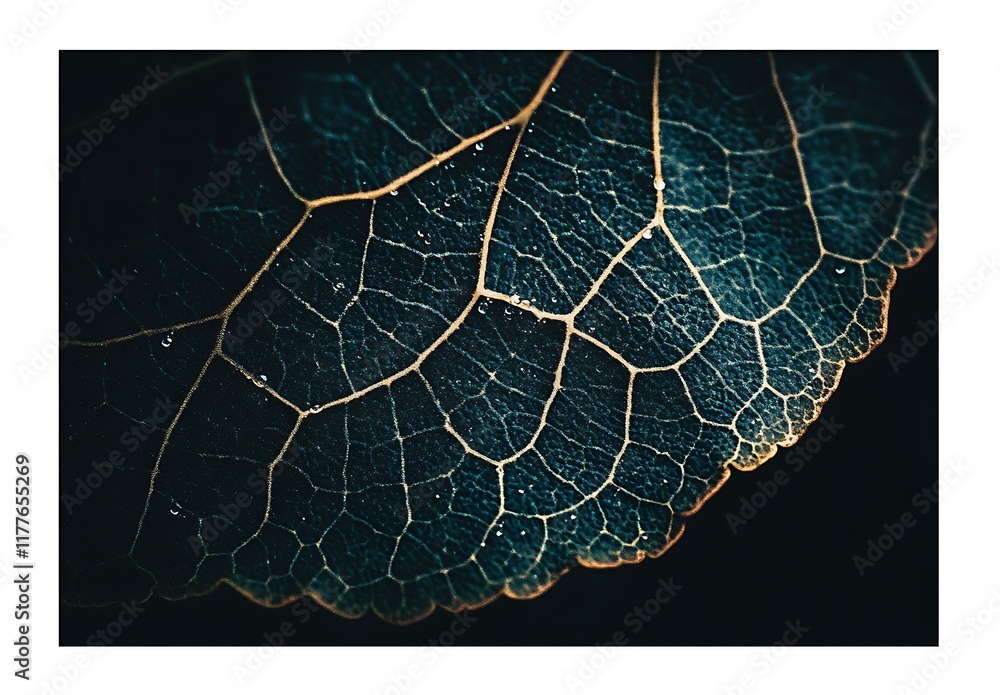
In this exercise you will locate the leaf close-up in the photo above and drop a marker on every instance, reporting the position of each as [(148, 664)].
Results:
[(419, 330)]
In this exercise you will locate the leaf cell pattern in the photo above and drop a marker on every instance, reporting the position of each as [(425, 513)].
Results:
[(469, 321)]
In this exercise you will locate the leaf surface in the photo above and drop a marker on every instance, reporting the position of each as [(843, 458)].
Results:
[(455, 324)]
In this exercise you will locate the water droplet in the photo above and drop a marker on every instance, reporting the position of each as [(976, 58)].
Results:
[(479, 146), (263, 377), (812, 370), (840, 270), (482, 545), (506, 127), (648, 234), (437, 497), (659, 184), (531, 130), (522, 533), (420, 234), (553, 88), (499, 533), (168, 340), (521, 490), (393, 193), (515, 298), (572, 516), (316, 408), (482, 308), (174, 511), (447, 204)]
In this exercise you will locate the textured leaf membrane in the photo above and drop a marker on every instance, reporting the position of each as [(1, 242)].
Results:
[(464, 322)]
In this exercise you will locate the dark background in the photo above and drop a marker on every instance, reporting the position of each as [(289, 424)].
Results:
[(793, 561)]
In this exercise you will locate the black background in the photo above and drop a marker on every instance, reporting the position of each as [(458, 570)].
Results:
[(793, 561)]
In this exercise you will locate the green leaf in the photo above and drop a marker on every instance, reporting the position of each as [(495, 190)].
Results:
[(422, 329)]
